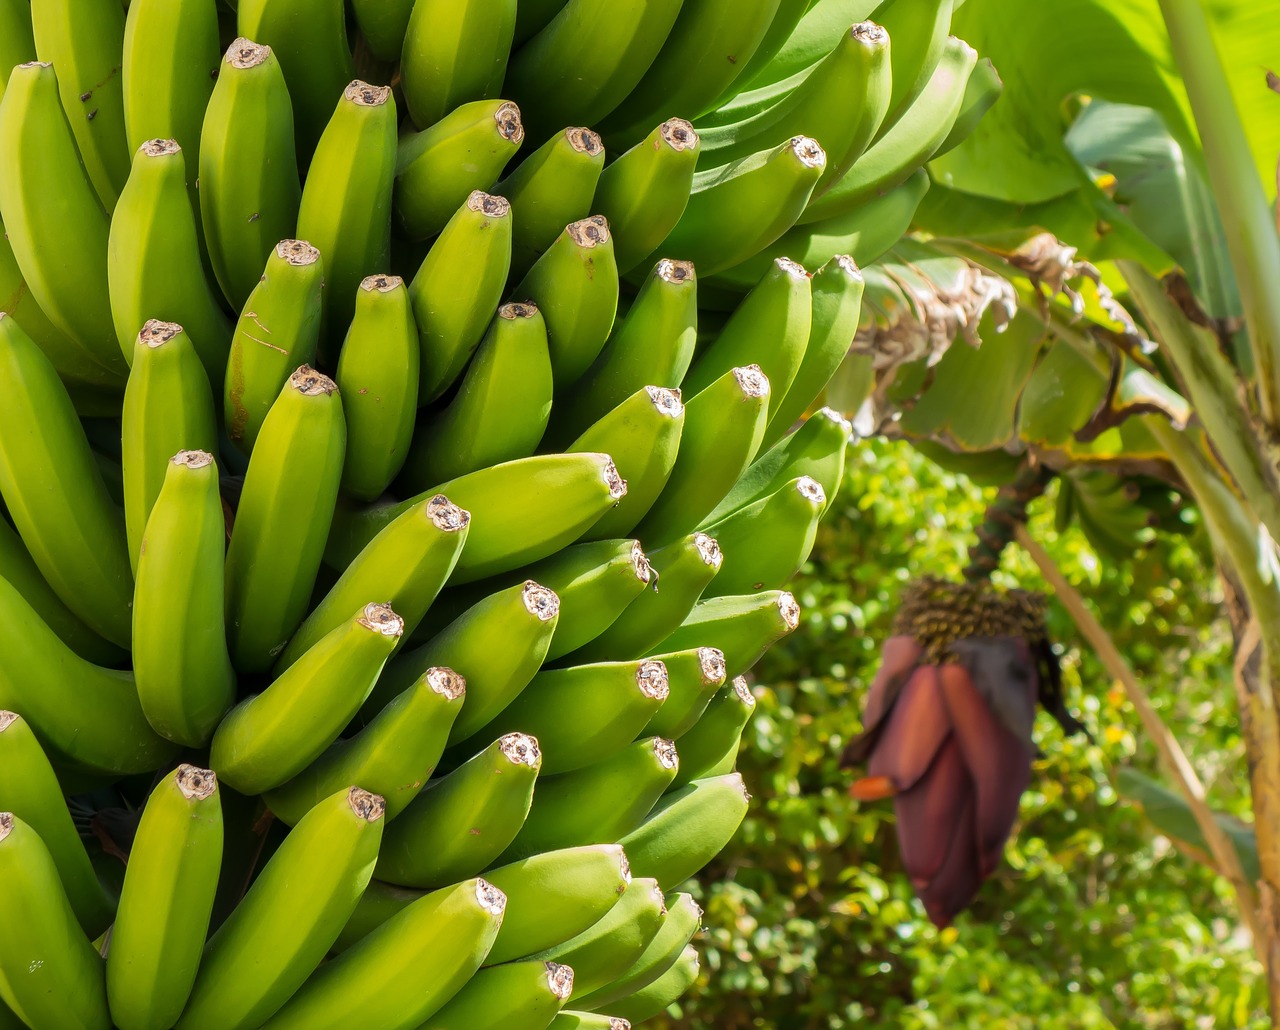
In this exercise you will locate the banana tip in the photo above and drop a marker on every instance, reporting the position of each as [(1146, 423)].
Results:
[(6, 824), (521, 749), (491, 899), (362, 94), (445, 682), (7, 719), (589, 232), (540, 601), (510, 127), (447, 516), (583, 140), (651, 678), (381, 283), (381, 619), (156, 333), (245, 53), (709, 549), (678, 134), (196, 783), (560, 980), (368, 806), (666, 401), (789, 610), (711, 661)]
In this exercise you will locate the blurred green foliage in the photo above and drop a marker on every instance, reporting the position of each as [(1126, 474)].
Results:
[(1094, 921)]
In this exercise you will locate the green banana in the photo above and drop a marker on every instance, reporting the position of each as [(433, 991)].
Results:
[(686, 829), (500, 410), (652, 346), (598, 803), (378, 376), (683, 569), (166, 901), (765, 543), (980, 95), (379, 902), (723, 427), (84, 39), (836, 291), (693, 677), (278, 537), (269, 738), (566, 492), (550, 188), (394, 755), (682, 922), (645, 191), (588, 1021), (249, 184), (278, 330), (908, 144), (379, 982), (532, 16), (770, 329), (777, 36), (743, 626), (710, 747), (345, 211), (658, 996), (168, 407), (461, 822), (584, 714), (643, 432), (555, 896), (575, 286), (438, 168), (407, 563), (50, 975), (919, 31), (742, 207), (29, 789), (17, 42), (180, 661), (609, 947), (457, 289), (708, 49), (54, 491), (454, 51), (290, 916), (524, 994), (310, 39), (522, 617), (383, 24), (588, 59), (53, 219)]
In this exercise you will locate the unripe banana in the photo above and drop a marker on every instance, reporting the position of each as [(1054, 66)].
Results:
[(652, 346), (84, 39), (524, 994), (584, 714), (532, 16), (682, 922), (383, 24), (379, 902), (658, 996), (17, 41), (599, 803), (406, 969), (687, 829), (269, 738), (153, 259), (278, 330), (550, 188), (50, 975), (770, 328), (249, 185), (461, 822), (55, 492), (180, 661), (378, 376), (523, 617), (454, 51), (743, 626), (291, 915), (777, 37), (407, 563), (919, 31), (166, 901), (53, 219), (278, 538), (980, 94), (346, 199), (566, 492), (643, 432), (168, 407), (608, 948), (310, 39), (645, 191), (394, 755), (723, 427), (694, 677), (710, 747), (458, 287), (588, 1021), (499, 412), (554, 896), (439, 167), (683, 568), (29, 789)]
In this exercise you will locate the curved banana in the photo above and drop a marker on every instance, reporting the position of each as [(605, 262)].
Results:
[(290, 916), (980, 95), (17, 41), (658, 996), (711, 745), (919, 31), (777, 36), (383, 24), (495, 998), (743, 626), (166, 901), (532, 16), (454, 51), (693, 677), (588, 1021)]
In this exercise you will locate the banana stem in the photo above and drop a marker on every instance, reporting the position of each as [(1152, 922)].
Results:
[(1252, 241), (1002, 519), (1172, 757)]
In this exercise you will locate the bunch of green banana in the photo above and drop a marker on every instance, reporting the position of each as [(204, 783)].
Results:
[(432, 486)]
